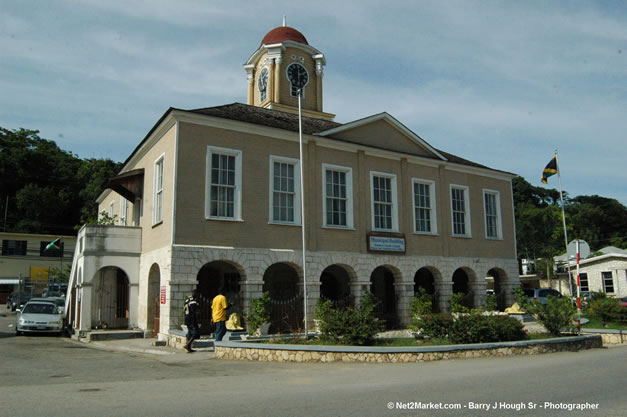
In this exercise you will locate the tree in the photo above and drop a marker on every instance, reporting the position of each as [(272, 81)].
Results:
[(599, 221), (94, 174), (48, 190)]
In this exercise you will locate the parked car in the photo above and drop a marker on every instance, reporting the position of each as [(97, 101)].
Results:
[(17, 300), (39, 317), (541, 294), (58, 301), (623, 301)]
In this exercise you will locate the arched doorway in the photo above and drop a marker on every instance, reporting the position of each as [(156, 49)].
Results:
[(110, 305), (281, 281), (382, 287), (212, 277), (495, 281), (153, 301), (424, 279), (461, 284), (335, 286)]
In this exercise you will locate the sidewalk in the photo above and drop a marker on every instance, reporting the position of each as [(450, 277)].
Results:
[(168, 354), (147, 347)]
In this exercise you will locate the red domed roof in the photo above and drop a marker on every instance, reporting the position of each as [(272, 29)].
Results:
[(283, 33)]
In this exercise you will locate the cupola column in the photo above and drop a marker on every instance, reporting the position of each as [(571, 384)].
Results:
[(277, 76), (250, 77)]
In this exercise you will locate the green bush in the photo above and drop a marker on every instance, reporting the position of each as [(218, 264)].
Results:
[(349, 325), (259, 312), (420, 306), (457, 305), (480, 328), (434, 325), (490, 302), (557, 313), (608, 310), (521, 298)]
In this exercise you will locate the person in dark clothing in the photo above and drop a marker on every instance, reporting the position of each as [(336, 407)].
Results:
[(191, 320)]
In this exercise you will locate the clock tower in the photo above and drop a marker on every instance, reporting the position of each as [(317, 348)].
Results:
[(284, 66)]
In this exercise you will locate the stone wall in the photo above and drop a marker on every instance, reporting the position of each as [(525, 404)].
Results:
[(303, 353)]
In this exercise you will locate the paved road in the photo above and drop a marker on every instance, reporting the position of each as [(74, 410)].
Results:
[(49, 376)]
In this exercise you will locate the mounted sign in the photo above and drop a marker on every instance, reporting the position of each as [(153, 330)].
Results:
[(163, 289), (386, 242)]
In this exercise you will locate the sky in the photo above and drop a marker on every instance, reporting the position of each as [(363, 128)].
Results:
[(502, 83)]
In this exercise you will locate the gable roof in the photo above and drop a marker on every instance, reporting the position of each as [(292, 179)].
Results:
[(384, 125), (319, 127)]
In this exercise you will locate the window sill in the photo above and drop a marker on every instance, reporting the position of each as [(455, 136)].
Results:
[(159, 223), (223, 219), (463, 236), (426, 234), (338, 228), (285, 224)]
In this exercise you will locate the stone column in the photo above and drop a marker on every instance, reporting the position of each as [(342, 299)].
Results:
[(133, 314), (404, 291), (358, 289), (313, 294), (444, 290), (84, 292), (478, 288)]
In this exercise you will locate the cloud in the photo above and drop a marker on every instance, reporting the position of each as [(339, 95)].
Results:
[(501, 83)]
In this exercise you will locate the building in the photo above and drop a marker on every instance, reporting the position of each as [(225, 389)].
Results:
[(26, 261), (605, 272), (211, 198)]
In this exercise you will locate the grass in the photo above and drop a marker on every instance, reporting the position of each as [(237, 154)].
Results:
[(596, 324)]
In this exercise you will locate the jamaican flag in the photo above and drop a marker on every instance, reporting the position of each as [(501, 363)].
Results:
[(55, 244), (550, 169)]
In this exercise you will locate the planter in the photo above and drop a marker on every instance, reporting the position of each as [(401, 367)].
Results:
[(263, 329)]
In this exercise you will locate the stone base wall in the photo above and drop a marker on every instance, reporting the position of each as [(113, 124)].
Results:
[(257, 353), (613, 338)]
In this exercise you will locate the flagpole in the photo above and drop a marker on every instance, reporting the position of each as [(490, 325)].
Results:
[(302, 206), (559, 181)]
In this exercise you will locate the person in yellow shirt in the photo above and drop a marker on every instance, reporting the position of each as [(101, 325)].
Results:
[(219, 306)]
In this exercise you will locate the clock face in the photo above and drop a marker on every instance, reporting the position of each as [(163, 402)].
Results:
[(297, 75), (262, 83)]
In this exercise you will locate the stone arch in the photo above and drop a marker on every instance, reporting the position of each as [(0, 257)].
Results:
[(335, 285), (110, 298), (282, 281), (496, 280), (153, 302), (382, 280), (463, 279), (211, 277), (426, 278)]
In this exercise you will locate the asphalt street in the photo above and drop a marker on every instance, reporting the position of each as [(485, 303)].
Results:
[(50, 376)]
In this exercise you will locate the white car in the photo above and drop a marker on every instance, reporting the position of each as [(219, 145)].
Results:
[(39, 317)]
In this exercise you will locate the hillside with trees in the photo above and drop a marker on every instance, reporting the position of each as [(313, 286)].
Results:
[(44, 189), (598, 220)]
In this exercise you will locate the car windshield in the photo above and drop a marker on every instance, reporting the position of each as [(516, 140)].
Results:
[(40, 308)]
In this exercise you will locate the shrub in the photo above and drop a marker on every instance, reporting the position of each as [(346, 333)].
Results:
[(608, 310), (349, 325), (457, 305), (259, 312), (521, 298), (480, 328), (420, 306), (557, 313), (434, 324), (490, 302)]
